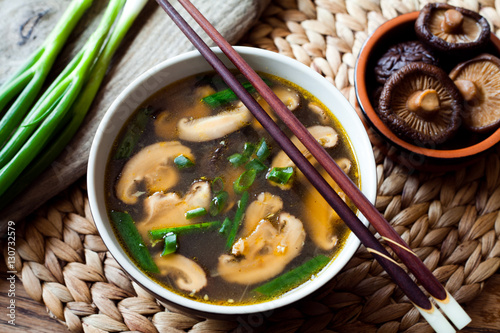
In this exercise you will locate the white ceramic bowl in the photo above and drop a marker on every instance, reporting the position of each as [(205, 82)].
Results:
[(189, 64)]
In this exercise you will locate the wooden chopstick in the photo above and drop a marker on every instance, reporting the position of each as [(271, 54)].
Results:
[(425, 277)]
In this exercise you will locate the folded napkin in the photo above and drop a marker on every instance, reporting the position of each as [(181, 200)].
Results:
[(153, 38)]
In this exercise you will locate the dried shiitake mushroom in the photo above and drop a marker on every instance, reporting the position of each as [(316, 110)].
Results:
[(420, 103), (478, 80), (448, 29), (400, 55)]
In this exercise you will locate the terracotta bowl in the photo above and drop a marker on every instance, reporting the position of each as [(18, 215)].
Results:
[(192, 63), (464, 148)]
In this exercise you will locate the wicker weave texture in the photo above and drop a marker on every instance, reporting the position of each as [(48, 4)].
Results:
[(451, 220)]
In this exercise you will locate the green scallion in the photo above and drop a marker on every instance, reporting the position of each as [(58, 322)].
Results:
[(183, 162), (293, 278), (256, 165), (217, 185), (262, 151), (225, 96), (63, 106), (170, 244), (226, 226), (238, 218), (133, 134), (237, 159), (159, 233), (248, 149), (218, 203), (244, 181), (197, 212), (280, 175), (125, 226)]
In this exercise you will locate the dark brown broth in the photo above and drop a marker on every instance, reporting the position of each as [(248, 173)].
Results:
[(211, 162)]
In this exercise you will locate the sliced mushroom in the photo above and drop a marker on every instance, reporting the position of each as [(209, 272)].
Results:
[(322, 220), (289, 97), (420, 103), (166, 127), (448, 29), (153, 165), (184, 272), (266, 205), (325, 135), (168, 210), (479, 83), (265, 252), (214, 127), (320, 112)]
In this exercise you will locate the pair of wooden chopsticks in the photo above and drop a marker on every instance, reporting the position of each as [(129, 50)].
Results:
[(445, 301)]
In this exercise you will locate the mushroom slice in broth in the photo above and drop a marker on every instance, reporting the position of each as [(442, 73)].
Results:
[(325, 135), (184, 272), (265, 252), (321, 220), (266, 204), (168, 210), (214, 127), (164, 125), (153, 165)]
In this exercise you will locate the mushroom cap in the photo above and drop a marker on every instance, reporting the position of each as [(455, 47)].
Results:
[(214, 127), (400, 55), (447, 28), (422, 127), (478, 80), (153, 165), (265, 252), (326, 137), (184, 272), (167, 210)]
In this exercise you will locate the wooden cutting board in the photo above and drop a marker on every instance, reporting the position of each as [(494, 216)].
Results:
[(152, 39)]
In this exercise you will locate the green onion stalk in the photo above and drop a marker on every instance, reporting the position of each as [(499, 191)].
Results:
[(27, 82), (90, 72)]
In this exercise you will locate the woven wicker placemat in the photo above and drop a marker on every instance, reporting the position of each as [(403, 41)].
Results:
[(451, 219)]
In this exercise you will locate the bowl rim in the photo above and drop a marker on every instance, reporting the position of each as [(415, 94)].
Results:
[(96, 190), (366, 106)]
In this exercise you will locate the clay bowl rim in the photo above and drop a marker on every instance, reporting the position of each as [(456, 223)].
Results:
[(369, 112)]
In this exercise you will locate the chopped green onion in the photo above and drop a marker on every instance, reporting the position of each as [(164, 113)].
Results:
[(294, 277), (256, 165), (226, 226), (217, 185), (183, 162), (218, 202), (238, 218), (244, 181), (125, 226), (248, 149), (197, 212), (225, 96), (184, 229), (237, 159), (170, 244), (262, 151), (280, 175), (133, 133)]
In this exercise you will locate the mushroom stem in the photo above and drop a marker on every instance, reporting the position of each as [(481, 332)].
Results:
[(425, 103), (452, 21), (468, 89)]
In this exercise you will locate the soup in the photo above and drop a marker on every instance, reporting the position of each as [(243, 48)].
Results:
[(208, 205)]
